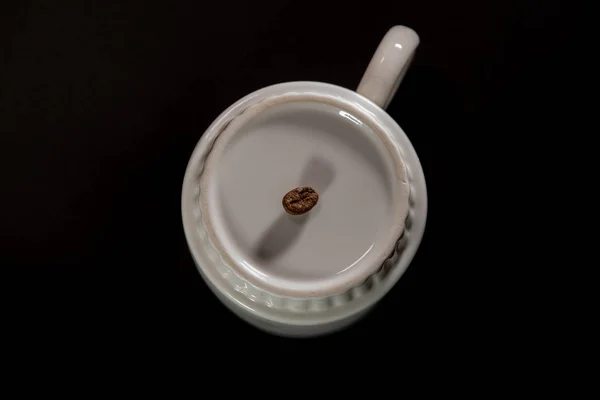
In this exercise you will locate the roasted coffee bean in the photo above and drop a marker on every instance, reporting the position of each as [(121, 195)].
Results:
[(300, 200)]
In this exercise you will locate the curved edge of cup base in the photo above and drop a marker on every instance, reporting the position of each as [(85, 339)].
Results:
[(297, 331), (287, 330)]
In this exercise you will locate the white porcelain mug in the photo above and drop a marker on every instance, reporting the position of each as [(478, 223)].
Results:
[(316, 273)]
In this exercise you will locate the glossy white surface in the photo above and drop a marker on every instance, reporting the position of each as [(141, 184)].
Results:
[(299, 140), (389, 65), (284, 315), (277, 313)]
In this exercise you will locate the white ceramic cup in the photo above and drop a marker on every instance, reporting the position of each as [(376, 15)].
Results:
[(317, 273)]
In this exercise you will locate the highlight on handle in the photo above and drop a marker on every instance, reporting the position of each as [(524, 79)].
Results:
[(389, 65)]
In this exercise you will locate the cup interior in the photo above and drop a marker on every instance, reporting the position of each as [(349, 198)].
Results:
[(295, 141)]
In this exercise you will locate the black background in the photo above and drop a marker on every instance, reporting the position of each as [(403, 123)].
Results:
[(102, 103)]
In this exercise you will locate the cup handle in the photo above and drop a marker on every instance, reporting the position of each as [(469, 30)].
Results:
[(389, 65)]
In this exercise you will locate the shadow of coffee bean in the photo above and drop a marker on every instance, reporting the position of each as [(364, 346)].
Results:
[(318, 173)]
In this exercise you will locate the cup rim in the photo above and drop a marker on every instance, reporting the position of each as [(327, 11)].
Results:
[(379, 118)]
